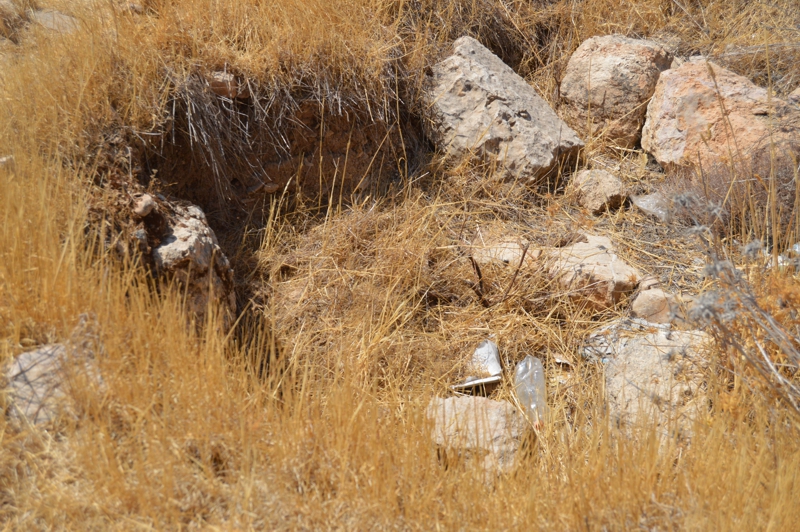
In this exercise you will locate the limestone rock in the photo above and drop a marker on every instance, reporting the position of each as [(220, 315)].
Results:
[(476, 428), (653, 373), (144, 205), (794, 96), (40, 384), (694, 118), (504, 250), (607, 84), (655, 305), (598, 190), (55, 21), (592, 273), (480, 107), (190, 252)]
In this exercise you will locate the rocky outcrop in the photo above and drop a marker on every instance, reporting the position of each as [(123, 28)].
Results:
[(703, 114), (598, 190), (479, 429), (652, 374), (592, 273), (189, 253), (607, 84), (481, 108)]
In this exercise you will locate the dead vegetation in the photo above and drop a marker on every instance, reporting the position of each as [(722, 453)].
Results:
[(358, 296)]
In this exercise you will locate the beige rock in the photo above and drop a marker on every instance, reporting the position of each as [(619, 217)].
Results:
[(598, 190), (480, 429), (144, 205), (686, 124), (607, 84), (656, 377), (504, 251), (55, 21), (481, 108), (592, 273), (655, 306)]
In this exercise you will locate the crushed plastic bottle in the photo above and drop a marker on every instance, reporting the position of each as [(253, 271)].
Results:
[(530, 386), (486, 365), (653, 204)]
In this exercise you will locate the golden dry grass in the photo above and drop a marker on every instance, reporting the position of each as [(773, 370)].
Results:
[(310, 414)]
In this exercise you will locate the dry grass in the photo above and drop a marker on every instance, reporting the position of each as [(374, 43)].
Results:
[(309, 414)]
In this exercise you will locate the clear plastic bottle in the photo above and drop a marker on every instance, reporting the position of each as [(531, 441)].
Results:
[(530, 386)]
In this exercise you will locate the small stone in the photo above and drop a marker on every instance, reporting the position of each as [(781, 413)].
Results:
[(136, 9), (655, 306), (598, 190), (224, 84), (144, 205)]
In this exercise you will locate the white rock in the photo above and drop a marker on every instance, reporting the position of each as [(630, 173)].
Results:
[(476, 428), (607, 84), (481, 107), (191, 253), (598, 190), (41, 383), (592, 272), (656, 375)]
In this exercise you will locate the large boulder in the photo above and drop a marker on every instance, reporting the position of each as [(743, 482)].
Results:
[(592, 273), (189, 253), (607, 84), (702, 114), (652, 374), (480, 429), (480, 107)]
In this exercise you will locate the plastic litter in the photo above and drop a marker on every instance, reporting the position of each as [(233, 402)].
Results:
[(486, 363), (530, 386), (653, 204)]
